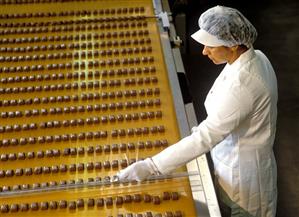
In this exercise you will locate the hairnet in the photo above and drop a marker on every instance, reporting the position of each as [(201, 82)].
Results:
[(224, 26)]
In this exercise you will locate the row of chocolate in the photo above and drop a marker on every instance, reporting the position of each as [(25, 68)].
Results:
[(91, 202), (82, 85), (82, 108), (76, 37), (62, 168), (76, 55), (80, 121), (81, 75), (80, 151), (79, 13), (84, 97), (83, 135), (81, 65), (109, 23), (82, 45), (56, 29)]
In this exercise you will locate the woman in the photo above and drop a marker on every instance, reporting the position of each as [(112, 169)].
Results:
[(241, 123)]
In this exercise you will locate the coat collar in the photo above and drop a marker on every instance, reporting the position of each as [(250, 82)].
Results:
[(242, 60)]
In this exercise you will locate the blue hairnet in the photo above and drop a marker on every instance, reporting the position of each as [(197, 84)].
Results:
[(228, 25)]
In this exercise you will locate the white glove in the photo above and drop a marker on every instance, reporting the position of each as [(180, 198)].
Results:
[(138, 171)]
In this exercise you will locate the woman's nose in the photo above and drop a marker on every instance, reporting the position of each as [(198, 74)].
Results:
[(205, 50)]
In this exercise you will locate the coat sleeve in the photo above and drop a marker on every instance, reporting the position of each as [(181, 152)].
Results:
[(229, 109)]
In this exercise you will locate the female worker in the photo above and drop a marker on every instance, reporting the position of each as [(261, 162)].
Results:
[(240, 127)]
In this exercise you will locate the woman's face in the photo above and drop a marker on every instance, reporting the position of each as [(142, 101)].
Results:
[(219, 55)]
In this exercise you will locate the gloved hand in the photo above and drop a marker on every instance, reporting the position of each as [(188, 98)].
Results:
[(138, 171)]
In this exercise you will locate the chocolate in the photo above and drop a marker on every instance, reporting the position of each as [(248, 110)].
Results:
[(62, 168), (37, 170), (174, 195), (106, 164), (81, 150), (127, 198), (40, 154), (53, 205), (156, 200), (24, 207), (108, 201), (90, 150), (4, 157), (114, 164), (80, 167), (72, 167), (9, 173), (98, 165), (16, 187), (147, 198), (90, 166), (34, 206), (44, 184), (178, 213), (114, 147), (137, 198), (100, 202), (25, 186), (98, 149), (28, 171), (131, 146), (46, 169), (5, 188), (148, 214), (166, 196), (30, 155), (119, 200), (54, 169), (80, 203), (35, 185), (44, 205), (90, 202), (4, 208), (62, 204)]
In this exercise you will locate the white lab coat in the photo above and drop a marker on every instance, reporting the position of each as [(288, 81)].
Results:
[(239, 131)]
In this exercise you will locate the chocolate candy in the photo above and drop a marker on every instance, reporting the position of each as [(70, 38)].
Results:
[(90, 166), (174, 195), (147, 198), (34, 206), (114, 164), (28, 171), (44, 205), (80, 167), (24, 207), (119, 200), (156, 200), (62, 204), (108, 201), (53, 205), (127, 198), (4, 208), (98, 165), (90, 202), (72, 167), (80, 203), (166, 196), (100, 202), (178, 213)]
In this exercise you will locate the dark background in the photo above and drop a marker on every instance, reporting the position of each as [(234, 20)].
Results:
[(277, 23)]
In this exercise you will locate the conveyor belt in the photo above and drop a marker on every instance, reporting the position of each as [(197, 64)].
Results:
[(84, 92)]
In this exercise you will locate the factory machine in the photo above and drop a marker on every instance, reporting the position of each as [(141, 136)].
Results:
[(88, 87)]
